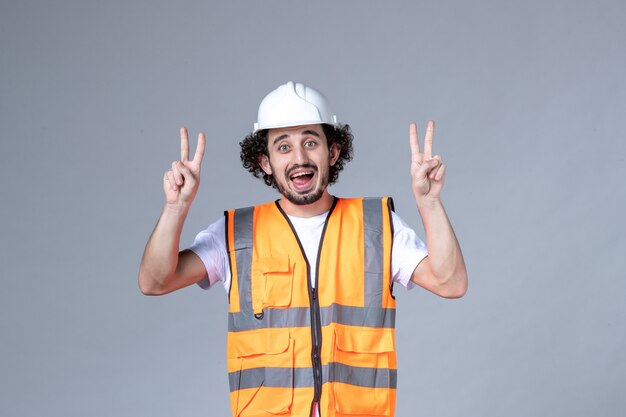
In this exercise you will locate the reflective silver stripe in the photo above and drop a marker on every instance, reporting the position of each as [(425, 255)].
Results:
[(358, 316), (243, 221), (300, 317), (271, 377), (303, 377), (272, 317), (362, 377), (373, 255)]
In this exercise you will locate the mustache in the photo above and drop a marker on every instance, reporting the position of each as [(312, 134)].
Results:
[(293, 168)]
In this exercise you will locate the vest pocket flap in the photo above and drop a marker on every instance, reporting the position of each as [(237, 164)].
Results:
[(253, 343), (362, 340), (269, 265)]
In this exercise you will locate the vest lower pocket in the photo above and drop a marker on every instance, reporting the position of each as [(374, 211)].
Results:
[(264, 382), (361, 374)]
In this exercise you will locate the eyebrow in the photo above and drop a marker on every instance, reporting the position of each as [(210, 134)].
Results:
[(305, 132)]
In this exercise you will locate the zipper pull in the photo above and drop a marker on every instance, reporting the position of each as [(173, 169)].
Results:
[(314, 293)]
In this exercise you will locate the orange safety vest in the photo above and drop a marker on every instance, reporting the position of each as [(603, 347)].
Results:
[(291, 346)]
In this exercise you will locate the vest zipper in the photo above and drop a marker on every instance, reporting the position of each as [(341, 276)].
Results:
[(316, 338), (316, 325)]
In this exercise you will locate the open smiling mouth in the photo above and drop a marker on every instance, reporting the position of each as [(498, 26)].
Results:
[(301, 177)]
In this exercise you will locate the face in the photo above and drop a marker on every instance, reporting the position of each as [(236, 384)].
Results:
[(299, 160)]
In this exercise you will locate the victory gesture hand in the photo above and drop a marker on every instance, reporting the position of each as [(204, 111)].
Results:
[(427, 171), (180, 183)]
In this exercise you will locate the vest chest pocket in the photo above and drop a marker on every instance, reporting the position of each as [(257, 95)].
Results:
[(272, 283), (264, 382), (361, 375)]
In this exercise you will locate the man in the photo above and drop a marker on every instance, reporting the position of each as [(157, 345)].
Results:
[(310, 276)]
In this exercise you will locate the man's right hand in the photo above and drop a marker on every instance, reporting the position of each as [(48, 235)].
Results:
[(180, 183), (163, 268)]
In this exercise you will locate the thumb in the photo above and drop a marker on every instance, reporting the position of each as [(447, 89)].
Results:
[(428, 166)]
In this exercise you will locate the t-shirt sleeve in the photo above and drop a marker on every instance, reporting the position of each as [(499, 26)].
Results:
[(210, 246), (407, 252)]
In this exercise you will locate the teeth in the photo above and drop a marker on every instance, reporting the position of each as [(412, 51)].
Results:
[(301, 174)]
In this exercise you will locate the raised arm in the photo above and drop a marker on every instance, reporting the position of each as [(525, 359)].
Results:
[(163, 268), (443, 271)]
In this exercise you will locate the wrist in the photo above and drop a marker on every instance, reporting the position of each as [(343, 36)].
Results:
[(176, 210), (428, 203)]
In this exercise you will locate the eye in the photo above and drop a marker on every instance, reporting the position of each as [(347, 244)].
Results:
[(283, 147), (310, 144)]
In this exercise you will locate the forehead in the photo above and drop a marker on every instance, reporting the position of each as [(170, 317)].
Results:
[(295, 131)]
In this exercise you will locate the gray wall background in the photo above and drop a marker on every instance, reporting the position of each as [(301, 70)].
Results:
[(529, 99)]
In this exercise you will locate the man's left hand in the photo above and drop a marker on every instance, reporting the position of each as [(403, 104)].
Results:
[(427, 171)]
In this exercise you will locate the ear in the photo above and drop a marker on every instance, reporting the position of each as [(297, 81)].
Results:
[(334, 151), (264, 163)]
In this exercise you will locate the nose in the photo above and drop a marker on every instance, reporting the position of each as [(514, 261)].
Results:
[(299, 155)]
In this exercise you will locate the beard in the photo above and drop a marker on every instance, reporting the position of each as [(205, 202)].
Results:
[(301, 199), (308, 197)]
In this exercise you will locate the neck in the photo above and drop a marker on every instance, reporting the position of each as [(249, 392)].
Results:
[(307, 210)]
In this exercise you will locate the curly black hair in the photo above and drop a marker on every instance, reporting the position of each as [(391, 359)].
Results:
[(255, 145)]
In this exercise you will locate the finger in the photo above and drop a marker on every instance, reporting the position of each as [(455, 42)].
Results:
[(197, 158), (441, 172), (434, 170), (426, 168), (428, 139), (189, 177), (413, 142), (184, 144), (170, 181), (178, 177)]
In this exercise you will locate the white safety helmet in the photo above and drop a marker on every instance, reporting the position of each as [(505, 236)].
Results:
[(293, 104)]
